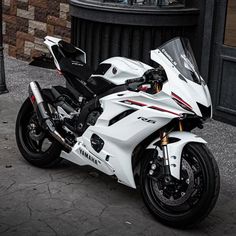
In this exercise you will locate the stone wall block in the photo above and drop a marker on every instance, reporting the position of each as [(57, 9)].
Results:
[(19, 44), (39, 3), (50, 30), (64, 7), (6, 9), (9, 19), (7, 2), (38, 25), (22, 5), (26, 14), (24, 36), (56, 21), (63, 15), (27, 51), (13, 7), (41, 48), (22, 24), (12, 51), (3, 27), (29, 44), (39, 41), (40, 14), (27, 22)]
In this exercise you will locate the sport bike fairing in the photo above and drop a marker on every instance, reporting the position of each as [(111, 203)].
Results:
[(147, 113), (151, 112), (178, 61)]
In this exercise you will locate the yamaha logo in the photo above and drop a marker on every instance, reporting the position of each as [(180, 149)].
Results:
[(89, 157)]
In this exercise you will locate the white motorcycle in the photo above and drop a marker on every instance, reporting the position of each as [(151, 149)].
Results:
[(129, 120)]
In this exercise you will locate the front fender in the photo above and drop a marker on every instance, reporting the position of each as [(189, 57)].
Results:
[(175, 148)]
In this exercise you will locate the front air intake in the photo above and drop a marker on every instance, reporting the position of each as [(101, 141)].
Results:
[(206, 111)]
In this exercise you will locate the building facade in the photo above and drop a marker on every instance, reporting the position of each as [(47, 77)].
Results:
[(131, 28)]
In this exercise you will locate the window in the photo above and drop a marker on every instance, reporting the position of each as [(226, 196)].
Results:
[(230, 28), (157, 3)]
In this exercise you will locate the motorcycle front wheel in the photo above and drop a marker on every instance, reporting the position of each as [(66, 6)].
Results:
[(185, 202)]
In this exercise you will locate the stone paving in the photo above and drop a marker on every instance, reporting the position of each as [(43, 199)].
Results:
[(74, 200)]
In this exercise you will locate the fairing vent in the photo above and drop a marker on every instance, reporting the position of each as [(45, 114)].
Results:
[(206, 111), (97, 143), (102, 69), (121, 116)]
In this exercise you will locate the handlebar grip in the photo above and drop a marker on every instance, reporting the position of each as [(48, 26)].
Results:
[(137, 80)]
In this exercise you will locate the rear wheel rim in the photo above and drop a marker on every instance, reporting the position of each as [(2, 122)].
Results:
[(35, 139)]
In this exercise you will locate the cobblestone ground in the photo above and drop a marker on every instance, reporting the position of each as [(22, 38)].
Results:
[(71, 200)]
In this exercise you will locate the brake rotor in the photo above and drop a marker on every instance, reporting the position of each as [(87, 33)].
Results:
[(183, 194)]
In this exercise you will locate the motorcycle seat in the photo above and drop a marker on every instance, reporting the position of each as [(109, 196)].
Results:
[(75, 69)]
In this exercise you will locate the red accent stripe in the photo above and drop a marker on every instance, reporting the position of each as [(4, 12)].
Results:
[(136, 103), (32, 99), (164, 110), (181, 100)]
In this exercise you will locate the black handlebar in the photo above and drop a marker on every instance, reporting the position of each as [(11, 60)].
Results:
[(136, 80), (152, 75)]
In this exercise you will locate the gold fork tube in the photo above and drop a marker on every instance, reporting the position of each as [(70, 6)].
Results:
[(180, 126)]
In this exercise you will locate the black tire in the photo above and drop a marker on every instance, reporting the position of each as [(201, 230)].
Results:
[(30, 149), (196, 202)]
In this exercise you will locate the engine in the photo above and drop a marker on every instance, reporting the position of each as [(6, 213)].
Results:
[(92, 118)]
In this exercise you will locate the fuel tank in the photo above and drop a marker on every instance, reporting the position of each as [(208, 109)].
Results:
[(118, 69)]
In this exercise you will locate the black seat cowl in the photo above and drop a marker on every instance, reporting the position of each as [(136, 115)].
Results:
[(75, 68), (67, 48)]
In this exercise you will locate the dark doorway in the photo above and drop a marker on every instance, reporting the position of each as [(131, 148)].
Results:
[(223, 67)]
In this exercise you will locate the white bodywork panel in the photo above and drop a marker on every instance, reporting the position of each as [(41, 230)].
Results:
[(175, 149), (123, 69)]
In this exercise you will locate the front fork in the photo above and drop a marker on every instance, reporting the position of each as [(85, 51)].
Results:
[(164, 143)]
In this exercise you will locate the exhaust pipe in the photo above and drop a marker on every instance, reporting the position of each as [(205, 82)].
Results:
[(44, 115)]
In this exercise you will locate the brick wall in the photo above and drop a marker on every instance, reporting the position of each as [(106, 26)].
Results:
[(27, 22)]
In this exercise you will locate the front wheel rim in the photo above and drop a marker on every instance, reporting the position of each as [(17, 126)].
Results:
[(195, 189)]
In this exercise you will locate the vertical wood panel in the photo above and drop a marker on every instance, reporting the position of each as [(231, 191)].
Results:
[(88, 42), (96, 38), (105, 42), (135, 44), (115, 41), (125, 38), (102, 40), (146, 45)]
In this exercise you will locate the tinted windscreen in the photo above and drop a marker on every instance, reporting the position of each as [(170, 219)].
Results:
[(180, 54)]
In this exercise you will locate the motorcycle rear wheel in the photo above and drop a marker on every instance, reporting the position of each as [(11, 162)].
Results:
[(36, 146), (191, 200)]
